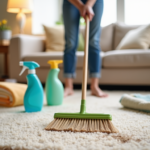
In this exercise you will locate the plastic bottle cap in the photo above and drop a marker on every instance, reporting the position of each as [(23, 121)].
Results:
[(54, 63), (31, 71)]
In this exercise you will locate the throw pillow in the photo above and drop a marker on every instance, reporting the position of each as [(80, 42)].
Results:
[(55, 39), (106, 38), (136, 39), (80, 43)]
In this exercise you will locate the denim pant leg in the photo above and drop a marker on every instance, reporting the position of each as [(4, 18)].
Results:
[(71, 18), (94, 36)]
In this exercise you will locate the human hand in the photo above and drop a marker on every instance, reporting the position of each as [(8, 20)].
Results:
[(86, 10)]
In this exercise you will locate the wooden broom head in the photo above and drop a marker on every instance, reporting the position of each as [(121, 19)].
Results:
[(82, 125)]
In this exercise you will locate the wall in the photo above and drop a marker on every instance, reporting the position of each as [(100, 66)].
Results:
[(11, 18)]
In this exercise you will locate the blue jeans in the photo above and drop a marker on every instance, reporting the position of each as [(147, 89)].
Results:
[(71, 18)]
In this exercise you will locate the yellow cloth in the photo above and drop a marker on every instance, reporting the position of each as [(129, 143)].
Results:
[(12, 94)]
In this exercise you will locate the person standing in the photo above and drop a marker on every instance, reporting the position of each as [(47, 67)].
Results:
[(72, 10)]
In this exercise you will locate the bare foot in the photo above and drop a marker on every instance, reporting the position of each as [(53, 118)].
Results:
[(68, 91), (98, 92), (68, 87)]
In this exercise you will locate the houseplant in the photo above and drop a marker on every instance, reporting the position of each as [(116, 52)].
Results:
[(5, 31)]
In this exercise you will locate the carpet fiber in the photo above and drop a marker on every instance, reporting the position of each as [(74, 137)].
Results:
[(20, 130)]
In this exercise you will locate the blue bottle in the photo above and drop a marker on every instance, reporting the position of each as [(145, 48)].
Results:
[(34, 95)]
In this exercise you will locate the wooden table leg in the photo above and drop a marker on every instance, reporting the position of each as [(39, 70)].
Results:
[(4, 50), (6, 64)]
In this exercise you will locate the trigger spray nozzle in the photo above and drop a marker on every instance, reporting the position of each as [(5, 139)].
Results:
[(30, 65), (23, 69)]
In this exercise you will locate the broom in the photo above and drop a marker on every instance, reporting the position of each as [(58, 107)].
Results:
[(82, 121)]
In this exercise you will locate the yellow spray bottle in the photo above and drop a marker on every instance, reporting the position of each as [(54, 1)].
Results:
[(54, 87)]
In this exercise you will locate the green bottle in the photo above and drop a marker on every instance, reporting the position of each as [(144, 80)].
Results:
[(54, 87)]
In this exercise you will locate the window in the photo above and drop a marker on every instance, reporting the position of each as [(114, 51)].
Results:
[(45, 12), (137, 12), (110, 12), (131, 12)]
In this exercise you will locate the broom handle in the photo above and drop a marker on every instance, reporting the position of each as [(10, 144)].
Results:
[(85, 65)]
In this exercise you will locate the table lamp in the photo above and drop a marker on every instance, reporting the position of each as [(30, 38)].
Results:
[(21, 7)]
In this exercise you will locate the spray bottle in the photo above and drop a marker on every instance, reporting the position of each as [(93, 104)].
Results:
[(34, 95), (54, 87)]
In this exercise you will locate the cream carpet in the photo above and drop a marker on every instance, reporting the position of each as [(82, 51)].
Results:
[(19, 130)]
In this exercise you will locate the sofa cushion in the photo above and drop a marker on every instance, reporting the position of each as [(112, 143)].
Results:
[(136, 39), (120, 31), (126, 59), (106, 38), (54, 38), (43, 57)]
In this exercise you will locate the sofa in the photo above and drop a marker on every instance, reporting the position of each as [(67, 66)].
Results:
[(119, 67)]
